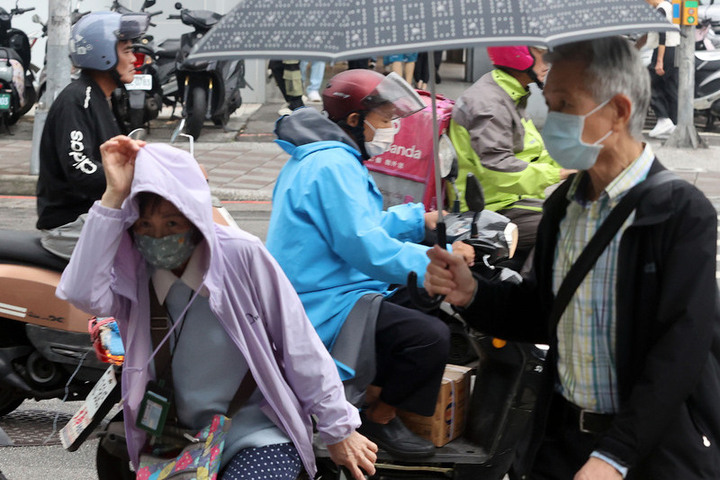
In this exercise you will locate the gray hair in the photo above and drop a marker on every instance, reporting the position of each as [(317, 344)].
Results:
[(613, 65)]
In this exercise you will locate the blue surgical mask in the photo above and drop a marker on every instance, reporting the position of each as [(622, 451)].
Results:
[(562, 135), (168, 252)]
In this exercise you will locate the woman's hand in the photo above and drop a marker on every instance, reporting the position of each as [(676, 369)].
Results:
[(355, 453), (431, 219), (448, 274), (467, 252), (118, 159)]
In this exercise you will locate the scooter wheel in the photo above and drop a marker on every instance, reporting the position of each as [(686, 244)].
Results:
[(196, 113)]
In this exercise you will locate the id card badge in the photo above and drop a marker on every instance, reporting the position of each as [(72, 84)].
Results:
[(154, 409)]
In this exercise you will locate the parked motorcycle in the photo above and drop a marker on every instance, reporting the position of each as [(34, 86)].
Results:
[(17, 89), (210, 90), (166, 53), (141, 100)]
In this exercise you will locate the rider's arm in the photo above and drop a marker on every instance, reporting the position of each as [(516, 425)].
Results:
[(77, 144), (490, 133), (405, 222), (341, 205)]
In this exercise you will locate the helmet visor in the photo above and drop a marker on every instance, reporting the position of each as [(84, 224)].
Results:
[(132, 26), (393, 89)]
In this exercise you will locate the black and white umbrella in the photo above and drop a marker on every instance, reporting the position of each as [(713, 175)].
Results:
[(332, 30), (341, 29)]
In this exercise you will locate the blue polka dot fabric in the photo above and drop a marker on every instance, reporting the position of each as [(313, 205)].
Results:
[(272, 462)]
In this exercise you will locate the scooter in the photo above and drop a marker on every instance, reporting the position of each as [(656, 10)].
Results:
[(44, 339), (706, 101), (166, 53), (508, 378), (142, 99), (17, 90), (209, 90)]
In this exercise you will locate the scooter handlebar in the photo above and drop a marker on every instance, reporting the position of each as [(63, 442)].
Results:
[(20, 11), (174, 17)]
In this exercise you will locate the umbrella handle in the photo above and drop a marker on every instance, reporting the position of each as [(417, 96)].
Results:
[(422, 300)]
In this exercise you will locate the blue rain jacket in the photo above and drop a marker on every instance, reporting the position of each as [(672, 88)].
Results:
[(328, 230)]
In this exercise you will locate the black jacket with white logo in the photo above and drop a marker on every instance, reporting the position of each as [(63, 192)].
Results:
[(71, 174)]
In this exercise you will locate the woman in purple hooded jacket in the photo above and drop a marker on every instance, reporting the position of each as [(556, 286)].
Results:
[(236, 310)]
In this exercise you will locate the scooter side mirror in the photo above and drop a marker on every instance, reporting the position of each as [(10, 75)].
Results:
[(475, 199), (448, 159), (178, 6), (147, 4), (474, 194)]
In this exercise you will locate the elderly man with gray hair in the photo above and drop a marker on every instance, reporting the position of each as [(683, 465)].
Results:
[(634, 363)]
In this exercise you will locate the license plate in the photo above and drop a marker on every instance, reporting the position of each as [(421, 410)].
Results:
[(140, 82), (99, 400), (4, 101)]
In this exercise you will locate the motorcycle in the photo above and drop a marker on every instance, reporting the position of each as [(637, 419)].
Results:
[(707, 86), (209, 90), (44, 339), (142, 99), (166, 53), (508, 375), (17, 89)]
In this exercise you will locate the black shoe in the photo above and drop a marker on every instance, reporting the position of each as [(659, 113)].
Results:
[(396, 438)]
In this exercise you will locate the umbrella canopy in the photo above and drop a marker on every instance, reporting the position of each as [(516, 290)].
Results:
[(343, 29)]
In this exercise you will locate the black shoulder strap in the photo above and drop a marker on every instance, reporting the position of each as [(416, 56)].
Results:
[(600, 240)]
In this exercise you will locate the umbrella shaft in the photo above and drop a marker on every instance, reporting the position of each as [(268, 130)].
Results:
[(436, 139)]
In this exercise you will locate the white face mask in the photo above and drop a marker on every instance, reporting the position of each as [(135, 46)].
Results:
[(382, 138)]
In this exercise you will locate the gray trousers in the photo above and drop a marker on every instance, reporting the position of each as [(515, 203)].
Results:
[(61, 240)]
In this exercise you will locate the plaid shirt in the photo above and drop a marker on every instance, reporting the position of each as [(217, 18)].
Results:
[(586, 332)]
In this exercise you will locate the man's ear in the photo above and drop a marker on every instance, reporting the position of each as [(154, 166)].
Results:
[(353, 119), (623, 109)]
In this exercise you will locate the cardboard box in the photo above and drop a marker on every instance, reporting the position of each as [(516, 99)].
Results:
[(448, 421)]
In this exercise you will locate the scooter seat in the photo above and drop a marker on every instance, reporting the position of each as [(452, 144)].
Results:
[(22, 248)]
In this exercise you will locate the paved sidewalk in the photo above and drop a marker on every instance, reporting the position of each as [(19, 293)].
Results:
[(243, 163), (246, 170)]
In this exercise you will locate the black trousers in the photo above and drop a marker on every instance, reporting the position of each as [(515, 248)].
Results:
[(422, 67), (412, 349), (564, 448), (664, 99), (277, 67)]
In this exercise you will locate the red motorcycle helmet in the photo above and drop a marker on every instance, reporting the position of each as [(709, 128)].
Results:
[(516, 57), (360, 90)]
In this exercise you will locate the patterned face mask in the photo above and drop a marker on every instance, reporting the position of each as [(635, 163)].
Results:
[(168, 252)]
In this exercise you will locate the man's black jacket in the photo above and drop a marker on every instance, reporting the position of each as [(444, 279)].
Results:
[(668, 330), (71, 174)]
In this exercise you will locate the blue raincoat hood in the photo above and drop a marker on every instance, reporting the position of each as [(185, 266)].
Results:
[(307, 125)]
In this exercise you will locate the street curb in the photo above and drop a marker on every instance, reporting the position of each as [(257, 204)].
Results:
[(18, 184), (239, 194), (25, 185)]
